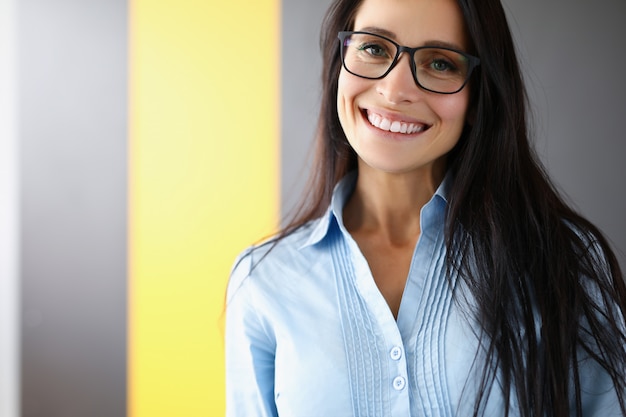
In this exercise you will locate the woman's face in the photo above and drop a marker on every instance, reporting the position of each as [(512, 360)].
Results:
[(368, 108)]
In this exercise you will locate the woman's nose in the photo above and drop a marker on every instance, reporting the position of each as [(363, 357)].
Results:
[(399, 85)]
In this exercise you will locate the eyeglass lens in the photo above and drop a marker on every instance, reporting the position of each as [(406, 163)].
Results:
[(436, 69)]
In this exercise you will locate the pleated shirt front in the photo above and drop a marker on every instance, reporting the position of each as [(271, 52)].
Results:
[(308, 333)]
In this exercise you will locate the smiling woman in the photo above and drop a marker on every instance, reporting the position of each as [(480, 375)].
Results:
[(433, 269), (404, 168)]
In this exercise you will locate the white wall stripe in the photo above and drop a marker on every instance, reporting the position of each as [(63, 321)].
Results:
[(9, 340)]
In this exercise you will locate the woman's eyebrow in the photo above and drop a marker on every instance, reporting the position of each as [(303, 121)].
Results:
[(444, 44), (391, 35), (378, 31)]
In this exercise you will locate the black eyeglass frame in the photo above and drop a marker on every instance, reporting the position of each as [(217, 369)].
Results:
[(473, 61)]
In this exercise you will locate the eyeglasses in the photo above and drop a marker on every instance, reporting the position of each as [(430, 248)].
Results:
[(437, 69)]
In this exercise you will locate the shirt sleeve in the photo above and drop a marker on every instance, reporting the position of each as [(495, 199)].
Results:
[(599, 394), (250, 350), (599, 397)]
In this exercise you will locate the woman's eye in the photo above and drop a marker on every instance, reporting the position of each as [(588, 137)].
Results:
[(442, 65), (374, 50)]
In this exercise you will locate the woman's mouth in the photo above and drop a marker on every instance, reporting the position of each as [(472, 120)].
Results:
[(394, 126)]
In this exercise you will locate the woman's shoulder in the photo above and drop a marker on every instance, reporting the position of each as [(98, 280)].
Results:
[(588, 243), (278, 257)]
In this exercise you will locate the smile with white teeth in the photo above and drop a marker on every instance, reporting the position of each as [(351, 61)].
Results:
[(394, 126)]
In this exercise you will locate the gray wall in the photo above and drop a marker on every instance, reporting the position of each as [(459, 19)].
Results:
[(575, 76), (572, 55), (300, 92), (73, 128)]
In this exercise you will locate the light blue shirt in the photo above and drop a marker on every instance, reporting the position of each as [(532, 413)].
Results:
[(308, 333)]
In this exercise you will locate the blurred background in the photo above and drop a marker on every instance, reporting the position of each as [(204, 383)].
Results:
[(144, 144)]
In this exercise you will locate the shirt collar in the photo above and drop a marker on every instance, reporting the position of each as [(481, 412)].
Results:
[(342, 192)]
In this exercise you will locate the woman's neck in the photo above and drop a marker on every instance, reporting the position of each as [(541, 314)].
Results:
[(388, 205)]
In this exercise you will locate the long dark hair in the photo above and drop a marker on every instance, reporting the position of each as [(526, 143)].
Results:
[(547, 289)]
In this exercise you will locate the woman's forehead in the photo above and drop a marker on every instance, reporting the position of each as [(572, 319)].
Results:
[(414, 22)]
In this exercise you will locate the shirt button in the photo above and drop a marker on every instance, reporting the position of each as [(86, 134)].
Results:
[(395, 353), (399, 383)]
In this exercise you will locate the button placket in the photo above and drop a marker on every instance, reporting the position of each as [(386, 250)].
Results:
[(396, 353)]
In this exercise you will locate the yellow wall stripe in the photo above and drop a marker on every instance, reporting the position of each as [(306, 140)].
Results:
[(204, 183)]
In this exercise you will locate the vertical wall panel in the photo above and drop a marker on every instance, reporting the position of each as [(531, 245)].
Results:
[(301, 90), (73, 130), (570, 53), (203, 185), (9, 215)]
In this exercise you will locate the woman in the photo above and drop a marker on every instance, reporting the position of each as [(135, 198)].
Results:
[(433, 269)]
